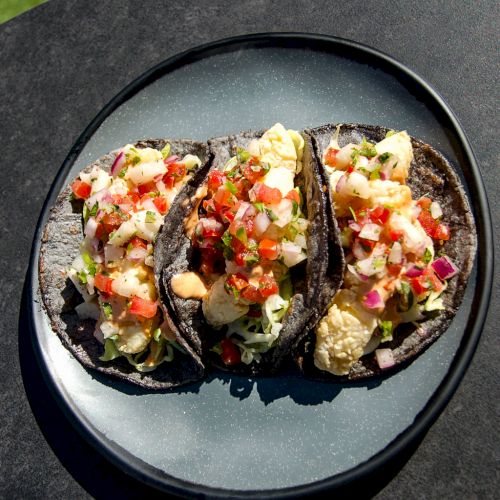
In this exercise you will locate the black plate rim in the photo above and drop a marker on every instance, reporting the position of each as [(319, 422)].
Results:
[(435, 405)]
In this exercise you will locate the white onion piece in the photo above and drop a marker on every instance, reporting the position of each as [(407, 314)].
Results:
[(241, 210), (261, 223), (355, 226), (95, 198), (343, 157), (436, 211), (148, 204), (366, 267), (341, 183), (112, 253), (352, 270), (370, 232), (283, 211), (385, 358), (137, 254), (362, 162), (358, 251), (396, 255), (90, 227), (291, 253), (357, 185)]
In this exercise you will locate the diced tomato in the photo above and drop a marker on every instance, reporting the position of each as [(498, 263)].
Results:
[(293, 195), (428, 222), (81, 189), (237, 281), (100, 232), (133, 196), (230, 353), (252, 172), (394, 269), (433, 281), (238, 230), (169, 181), (216, 179), (243, 186), (210, 259), (395, 235), (103, 283), (268, 249), (175, 172), (379, 215), (367, 244), (267, 194), (331, 157), (252, 294), (238, 246), (442, 232), (267, 286), (143, 307), (211, 228), (254, 313), (223, 198), (161, 204), (418, 285), (112, 221), (424, 203), (209, 206), (147, 188), (137, 242), (227, 215)]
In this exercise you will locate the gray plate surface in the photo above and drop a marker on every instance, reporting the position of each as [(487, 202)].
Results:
[(232, 432)]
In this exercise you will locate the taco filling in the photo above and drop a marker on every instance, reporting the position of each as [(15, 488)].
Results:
[(123, 211), (396, 269), (250, 232)]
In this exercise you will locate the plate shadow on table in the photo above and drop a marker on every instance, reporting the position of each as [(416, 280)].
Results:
[(101, 479)]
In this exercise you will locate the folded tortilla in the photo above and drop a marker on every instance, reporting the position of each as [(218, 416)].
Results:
[(61, 241), (430, 173), (315, 281)]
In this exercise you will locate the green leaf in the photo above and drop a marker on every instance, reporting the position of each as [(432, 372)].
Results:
[(259, 206), (150, 217), (271, 214), (241, 234), (227, 239), (82, 276), (122, 172), (384, 157), (243, 155), (231, 187), (157, 334), (107, 309), (110, 351), (374, 175), (427, 256), (367, 149), (165, 152), (353, 214), (385, 328), (93, 210)]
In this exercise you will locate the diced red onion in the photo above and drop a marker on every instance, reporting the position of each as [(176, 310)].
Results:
[(91, 227), (444, 267), (370, 232), (261, 223), (373, 300), (355, 226), (436, 211), (396, 255), (358, 251), (353, 271), (341, 183), (171, 159), (158, 178), (241, 210), (94, 244), (413, 271), (118, 164), (137, 254), (112, 253), (385, 358), (383, 176)]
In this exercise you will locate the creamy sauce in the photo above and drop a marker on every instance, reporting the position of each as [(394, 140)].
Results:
[(193, 219), (188, 285)]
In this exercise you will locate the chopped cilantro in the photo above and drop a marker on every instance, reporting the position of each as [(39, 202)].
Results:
[(227, 239), (295, 208), (165, 152), (271, 214), (243, 155), (82, 276), (367, 149), (150, 217), (136, 160), (385, 328), (241, 234), (384, 157), (233, 173), (427, 256), (107, 309), (231, 187), (375, 175), (259, 206), (353, 214), (93, 210), (157, 334), (122, 172), (250, 259)]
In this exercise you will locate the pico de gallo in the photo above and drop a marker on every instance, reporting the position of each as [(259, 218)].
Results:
[(123, 211), (396, 269), (251, 231)]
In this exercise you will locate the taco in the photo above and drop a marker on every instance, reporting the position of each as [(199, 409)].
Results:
[(409, 240), (96, 264), (248, 257)]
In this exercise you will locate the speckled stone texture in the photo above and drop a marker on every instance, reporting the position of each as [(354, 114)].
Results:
[(61, 62)]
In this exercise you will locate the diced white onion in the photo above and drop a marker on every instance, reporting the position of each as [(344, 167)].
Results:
[(90, 227), (261, 223), (370, 232), (385, 358), (396, 255), (436, 211), (112, 253), (291, 253)]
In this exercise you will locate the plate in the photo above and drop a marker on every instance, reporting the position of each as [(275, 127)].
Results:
[(285, 435)]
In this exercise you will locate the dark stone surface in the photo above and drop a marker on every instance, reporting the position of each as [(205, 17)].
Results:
[(61, 62)]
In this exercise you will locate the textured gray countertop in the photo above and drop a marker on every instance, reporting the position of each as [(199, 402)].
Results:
[(62, 62)]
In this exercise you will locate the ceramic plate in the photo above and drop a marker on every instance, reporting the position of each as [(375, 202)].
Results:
[(285, 435)]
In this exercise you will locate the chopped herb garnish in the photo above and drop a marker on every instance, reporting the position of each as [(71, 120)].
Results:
[(217, 349), (150, 217), (241, 234), (374, 175), (93, 210), (390, 133), (384, 157), (165, 152), (427, 256), (295, 208), (157, 334), (82, 276), (271, 214), (251, 259), (233, 173), (136, 160), (259, 206), (385, 328), (367, 149), (108, 310), (243, 155), (231, 187), (85, 213), (227, 239), (353, 214), (122, 172)]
